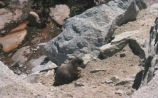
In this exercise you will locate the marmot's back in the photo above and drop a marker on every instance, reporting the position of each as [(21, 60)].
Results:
[(66, 73)]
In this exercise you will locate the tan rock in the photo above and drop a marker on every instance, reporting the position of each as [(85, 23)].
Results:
[(12, 41), (60, 13), (20, 27)]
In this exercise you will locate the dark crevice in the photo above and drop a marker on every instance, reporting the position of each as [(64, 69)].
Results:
[(137, 81), (136, 49)]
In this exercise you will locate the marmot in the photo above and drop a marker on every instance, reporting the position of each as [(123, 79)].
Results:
[(66, 73)]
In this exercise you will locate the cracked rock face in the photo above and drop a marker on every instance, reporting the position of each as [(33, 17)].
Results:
[(148, 84), (85, 33), (150, 62)]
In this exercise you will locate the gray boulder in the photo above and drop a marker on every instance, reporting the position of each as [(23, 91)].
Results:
[(85, 33)]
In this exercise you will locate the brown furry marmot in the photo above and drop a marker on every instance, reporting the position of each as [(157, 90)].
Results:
[(66, 73)]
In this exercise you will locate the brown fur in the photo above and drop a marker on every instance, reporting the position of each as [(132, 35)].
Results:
[(66, 73)]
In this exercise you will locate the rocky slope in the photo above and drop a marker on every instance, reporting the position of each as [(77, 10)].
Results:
[(112, 64)]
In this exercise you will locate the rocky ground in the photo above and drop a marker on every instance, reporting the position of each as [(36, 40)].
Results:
[(111, 77)]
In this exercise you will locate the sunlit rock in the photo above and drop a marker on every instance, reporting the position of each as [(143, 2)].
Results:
[(12, 41)]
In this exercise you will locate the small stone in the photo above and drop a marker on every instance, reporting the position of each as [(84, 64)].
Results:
[(18, 72), (69, 95), (108, 81), (3, 31), (77, 84), (95, 71), (119, 92), (114, 79), (122, 55), (123, 83), (16, 64)]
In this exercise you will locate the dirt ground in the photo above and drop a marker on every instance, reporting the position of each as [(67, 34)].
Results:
[(109, 78), (112, 77)]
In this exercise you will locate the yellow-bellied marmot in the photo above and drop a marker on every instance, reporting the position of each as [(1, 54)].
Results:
[(66, 73)]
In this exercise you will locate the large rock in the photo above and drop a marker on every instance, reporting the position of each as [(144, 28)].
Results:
[(60, 13), (85, 33), (13, 40), (14, 87)]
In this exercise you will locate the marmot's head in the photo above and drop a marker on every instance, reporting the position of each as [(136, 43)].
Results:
[(78, 62)]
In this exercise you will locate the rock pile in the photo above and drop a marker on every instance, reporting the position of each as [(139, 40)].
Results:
[(85, 33)]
